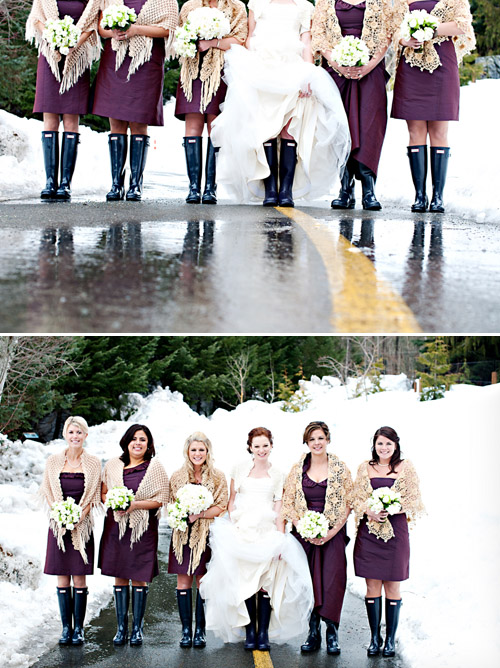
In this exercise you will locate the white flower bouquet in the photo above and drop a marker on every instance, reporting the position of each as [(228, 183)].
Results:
[(201, 23), (62, 35), (384, 498), (313, 525), (351, 52), (119, 498), (118, 17), (191, 500), (419, 24), (66, 513)]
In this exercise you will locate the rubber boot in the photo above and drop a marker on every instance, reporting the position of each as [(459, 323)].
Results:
[(392, 609), (210, 192), (374, 612), (50, 148), (417, 155), (199, 628), (368, 178), (80, 595), (118, 157), (251, 633), (139, 600), (313, 641), (271, 181), (332, 637), (264, 616), (193, 150), (138, 154), (345, 200), (122, 597), (185, 603), (66, 610), (69, 151), (288, 161), (439, 166)]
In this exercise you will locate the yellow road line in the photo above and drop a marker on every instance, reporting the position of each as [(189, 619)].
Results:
[(262, 659), (361, 300)]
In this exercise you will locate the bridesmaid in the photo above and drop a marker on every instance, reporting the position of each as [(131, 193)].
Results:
[(201, 91), (362, 88), (62, 87), (427, 91), (70, 554), (129, 88), (129, 543), (320, 481), (382, 548), (189, 550)]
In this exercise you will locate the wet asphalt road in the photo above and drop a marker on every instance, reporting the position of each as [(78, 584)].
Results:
[(164, 266)]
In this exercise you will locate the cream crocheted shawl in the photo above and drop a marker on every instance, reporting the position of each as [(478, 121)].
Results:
[(153, 487), (51, 491), (80, 58), (406, 484), (213, 60), (216, 483)]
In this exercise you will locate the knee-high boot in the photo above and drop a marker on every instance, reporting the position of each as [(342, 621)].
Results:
[(66, 611), (251, 633), (122, 598), (264, 616), (271, 181), (199, 629), (368, 178), (50, 148), (345, 200), (417, 155), (210, 192), (332, 637), (392, 609), (439, 166), (313, 641), (139, 600), (185, 603), (138, 154), (80, 595), (193, 150), (288, 161), (374, 612), (69, 151), (118, 157)]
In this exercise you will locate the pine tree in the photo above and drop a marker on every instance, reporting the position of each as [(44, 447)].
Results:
[(435, 373)]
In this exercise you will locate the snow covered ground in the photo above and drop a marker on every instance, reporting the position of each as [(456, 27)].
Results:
[(450, 616), (470, 191)]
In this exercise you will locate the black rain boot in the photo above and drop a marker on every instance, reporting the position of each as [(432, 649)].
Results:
[(122, 597), (271, 181), (138, 153), (199, 628), (118, 158), (439, 166), (210, 193), (374, 612), (264, 616), (332, 637), (139, 600), (185, 603), (368, 178), (288, 161), (391, 624), (66, 610), (251, 635), (193, 150), (417, 155), (50, 148), (345, 200), (313, 641), (69, 151), (80, 595)]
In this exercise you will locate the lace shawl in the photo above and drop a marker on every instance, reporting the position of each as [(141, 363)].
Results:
[(377, 26), (406, 484), (339, 492), (153, 487), (51, 491), (81, 57), (427, 58), (161, 13), (213, 60), (198, 535)]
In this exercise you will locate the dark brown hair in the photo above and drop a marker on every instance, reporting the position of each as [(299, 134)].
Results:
[(312, 426), (391, 434), (258, 431), (129, 435)]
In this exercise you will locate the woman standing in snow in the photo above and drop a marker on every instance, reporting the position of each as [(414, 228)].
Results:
[(129, 543), (70, 554), (200, 92), (321, 482), (129, 87), (189, 550), (62, 86), (382, 549), (427, 90)]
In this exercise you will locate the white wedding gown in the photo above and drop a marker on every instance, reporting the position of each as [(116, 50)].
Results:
[(263, 95), (246, 553)]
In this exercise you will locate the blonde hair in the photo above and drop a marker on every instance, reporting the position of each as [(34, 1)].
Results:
[(202, 438), (78, 421)]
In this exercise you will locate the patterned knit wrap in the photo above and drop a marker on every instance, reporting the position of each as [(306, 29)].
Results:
[(339, 492), (51, 491), (427, 58), (217, 484), (161, 13), (153, 487), (377, 26), (80, 58), (406, 484), (213, 61)]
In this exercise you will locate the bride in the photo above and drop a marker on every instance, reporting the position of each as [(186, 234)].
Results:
[(274, 90), (253, 558)]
